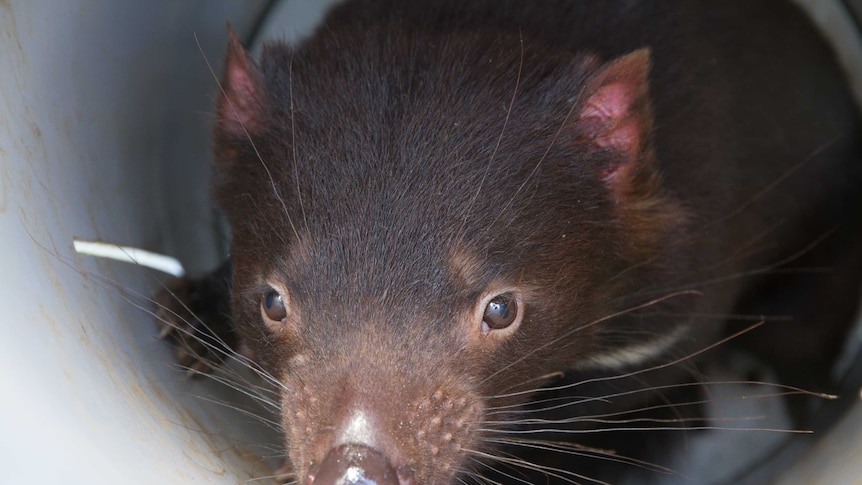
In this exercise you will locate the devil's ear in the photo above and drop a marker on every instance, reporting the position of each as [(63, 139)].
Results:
[(615, 112), (239, 107)]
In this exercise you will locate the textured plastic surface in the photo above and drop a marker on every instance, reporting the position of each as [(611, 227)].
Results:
[(99, 102)]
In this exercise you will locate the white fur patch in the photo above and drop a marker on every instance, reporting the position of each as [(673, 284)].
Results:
[(637, 353), (357, 430)]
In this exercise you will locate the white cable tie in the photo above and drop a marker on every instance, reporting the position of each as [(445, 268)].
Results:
[(127, 254)]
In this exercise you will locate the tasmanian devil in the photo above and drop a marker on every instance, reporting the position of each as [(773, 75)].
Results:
[(461, 230)]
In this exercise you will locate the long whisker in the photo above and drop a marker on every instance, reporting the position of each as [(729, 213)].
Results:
[(641, 371), (272, 477), (574, 401), (538, 164), (483, 479), (132, 297), (749, 247), (499, 138), (250, 140), (275, 426), (721, 316), (583, 451), (648, 428), (497, 470), (244, 390), (293, 142), (562, 474), (588, 325), (704, 230), (218, 345), (781, 178), (771, 269)]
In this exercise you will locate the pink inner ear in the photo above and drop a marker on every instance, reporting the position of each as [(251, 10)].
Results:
[(239, 106), (615, 116), (241, 98), (610, 102), (616, 126)]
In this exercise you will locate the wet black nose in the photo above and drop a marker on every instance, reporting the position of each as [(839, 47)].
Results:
[(355, 465)]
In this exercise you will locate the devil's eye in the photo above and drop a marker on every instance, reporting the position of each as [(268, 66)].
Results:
[(501, 311), (273, 305)]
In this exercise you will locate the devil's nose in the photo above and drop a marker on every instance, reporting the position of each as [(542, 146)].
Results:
[(354, 464)]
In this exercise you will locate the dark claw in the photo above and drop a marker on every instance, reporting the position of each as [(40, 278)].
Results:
[(194, 314)]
